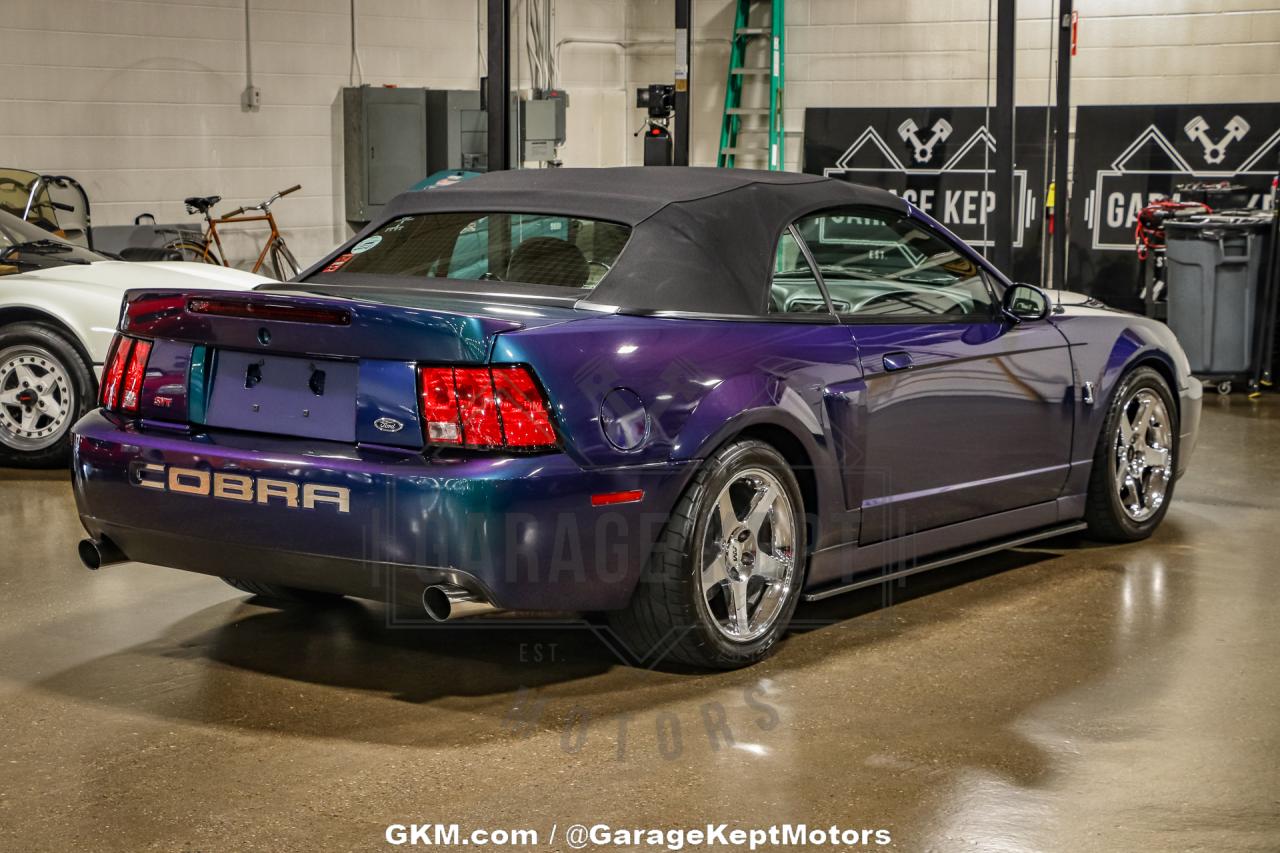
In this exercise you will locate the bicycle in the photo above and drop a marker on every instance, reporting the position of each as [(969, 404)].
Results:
[(208, 248)]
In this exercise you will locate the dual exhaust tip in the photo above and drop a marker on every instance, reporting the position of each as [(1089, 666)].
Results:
[(443, 602), (96, 553)]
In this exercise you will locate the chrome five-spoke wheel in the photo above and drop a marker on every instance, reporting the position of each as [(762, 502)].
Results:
[(748, 555), (1135, 463), (1143, 454), (726, 573), (36, 399)]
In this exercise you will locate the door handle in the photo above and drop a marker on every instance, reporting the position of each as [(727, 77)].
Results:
[(897, 360)]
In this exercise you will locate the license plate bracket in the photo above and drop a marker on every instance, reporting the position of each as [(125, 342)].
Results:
[(284, 395)]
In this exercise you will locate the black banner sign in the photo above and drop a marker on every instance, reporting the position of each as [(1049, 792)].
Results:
[(942, 160), (1128, 156)]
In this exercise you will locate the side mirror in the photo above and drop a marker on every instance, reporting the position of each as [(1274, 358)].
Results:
[(1024, 303)]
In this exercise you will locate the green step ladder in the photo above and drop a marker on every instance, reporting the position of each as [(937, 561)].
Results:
[(761, 141)]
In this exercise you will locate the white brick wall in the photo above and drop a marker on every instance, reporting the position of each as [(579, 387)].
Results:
[(140, 98), (934, 52)]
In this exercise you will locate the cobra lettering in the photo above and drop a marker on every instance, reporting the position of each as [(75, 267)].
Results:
[(245, 488)]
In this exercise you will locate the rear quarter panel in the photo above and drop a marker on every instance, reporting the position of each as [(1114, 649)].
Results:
[(702, 382)]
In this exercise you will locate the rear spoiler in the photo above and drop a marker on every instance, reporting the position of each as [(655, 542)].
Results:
[(306, 325)]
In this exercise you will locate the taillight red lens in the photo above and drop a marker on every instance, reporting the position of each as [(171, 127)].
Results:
[(479, 407), (484, 408), (113, 373), (439, 405), (525, 419), (134, 374)]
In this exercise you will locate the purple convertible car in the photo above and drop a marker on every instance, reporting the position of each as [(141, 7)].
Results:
[(686, 398)]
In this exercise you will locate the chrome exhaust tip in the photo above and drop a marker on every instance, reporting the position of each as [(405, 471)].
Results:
[(96, 553), (445, 602)]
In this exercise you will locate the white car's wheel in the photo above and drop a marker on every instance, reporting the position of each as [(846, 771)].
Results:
[(45, 386)]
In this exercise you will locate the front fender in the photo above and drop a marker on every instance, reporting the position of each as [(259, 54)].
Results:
[(88, 319), (1104, 349)]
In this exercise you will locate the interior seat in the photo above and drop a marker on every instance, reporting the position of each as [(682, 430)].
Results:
[(548, 260)]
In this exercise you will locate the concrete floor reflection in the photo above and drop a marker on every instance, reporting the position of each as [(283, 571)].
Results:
[(1063, 697)]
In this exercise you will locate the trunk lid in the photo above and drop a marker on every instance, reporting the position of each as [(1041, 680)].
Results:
[(323, 367)]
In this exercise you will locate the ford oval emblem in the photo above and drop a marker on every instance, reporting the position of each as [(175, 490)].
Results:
[(388, 424)]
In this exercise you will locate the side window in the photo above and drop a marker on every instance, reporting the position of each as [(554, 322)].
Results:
[(795, 288), (885, 266)]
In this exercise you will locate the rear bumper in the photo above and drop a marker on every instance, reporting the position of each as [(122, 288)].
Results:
[(520, 531)]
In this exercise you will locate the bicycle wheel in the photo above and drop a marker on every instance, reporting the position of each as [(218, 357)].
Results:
[(195, 251), (282, 261)]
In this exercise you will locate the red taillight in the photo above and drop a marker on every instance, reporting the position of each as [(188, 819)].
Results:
[(113, 373), (484, 408), (439, 405), (525, 418), (479, 407), (122, 377), (134, 374)]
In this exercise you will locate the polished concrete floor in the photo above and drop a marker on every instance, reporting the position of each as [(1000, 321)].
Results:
[(1065, 698)]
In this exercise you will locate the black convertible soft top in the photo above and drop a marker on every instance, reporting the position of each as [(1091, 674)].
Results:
[(703, 239)]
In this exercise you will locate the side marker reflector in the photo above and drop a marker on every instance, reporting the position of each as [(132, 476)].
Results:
[(608, 498)]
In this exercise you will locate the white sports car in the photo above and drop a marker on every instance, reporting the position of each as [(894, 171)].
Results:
[(59, 304)]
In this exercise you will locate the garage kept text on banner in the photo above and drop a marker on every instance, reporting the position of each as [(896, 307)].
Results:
[(1128, 156), (942, 159)]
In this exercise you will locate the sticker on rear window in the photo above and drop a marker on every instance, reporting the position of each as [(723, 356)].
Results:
[(338, 262), (366, 244)]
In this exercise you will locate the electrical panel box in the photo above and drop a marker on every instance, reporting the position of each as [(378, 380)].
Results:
[(457, 131), (542, 124), (385, 146)]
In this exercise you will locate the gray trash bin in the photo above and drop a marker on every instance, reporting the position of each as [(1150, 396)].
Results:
[(1214, 268)]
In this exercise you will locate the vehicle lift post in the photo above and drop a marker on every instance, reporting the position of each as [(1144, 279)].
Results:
[(684, 79), (1061, 139), (1005, 206), (663, 100), (1268, 299), (497, 89)]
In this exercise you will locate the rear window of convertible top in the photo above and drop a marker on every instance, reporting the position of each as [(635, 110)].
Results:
[(528, 248)]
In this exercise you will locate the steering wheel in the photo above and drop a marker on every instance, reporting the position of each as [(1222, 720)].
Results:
[(603, 266)]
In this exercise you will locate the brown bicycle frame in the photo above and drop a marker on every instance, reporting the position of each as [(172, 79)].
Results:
[(211, 237)]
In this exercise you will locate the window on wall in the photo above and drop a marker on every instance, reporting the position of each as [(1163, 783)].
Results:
[(884, 266), (795, 288)]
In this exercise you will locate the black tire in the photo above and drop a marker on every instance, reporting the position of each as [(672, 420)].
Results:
[(284, 594), (668, 616), (72, 389), (1104, 511)]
